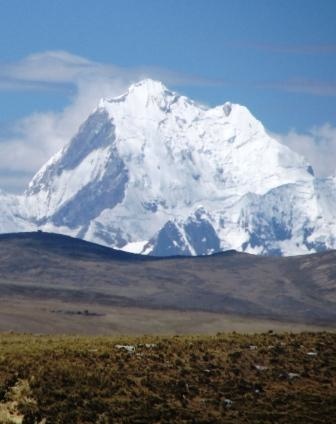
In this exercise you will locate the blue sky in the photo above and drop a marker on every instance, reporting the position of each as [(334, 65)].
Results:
[(276, 57)]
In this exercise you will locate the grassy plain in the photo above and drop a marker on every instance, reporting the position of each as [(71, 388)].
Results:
[(228, 378)]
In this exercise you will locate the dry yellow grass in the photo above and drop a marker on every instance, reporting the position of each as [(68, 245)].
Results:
[(232, 378)]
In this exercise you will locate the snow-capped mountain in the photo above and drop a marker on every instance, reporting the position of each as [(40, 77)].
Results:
[(152, 171)]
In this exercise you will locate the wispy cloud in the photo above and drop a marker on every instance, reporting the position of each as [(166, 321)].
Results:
[(313, 49), (52, 69), (313, 87)]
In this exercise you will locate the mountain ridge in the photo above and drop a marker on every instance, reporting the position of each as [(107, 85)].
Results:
[(53, 267)]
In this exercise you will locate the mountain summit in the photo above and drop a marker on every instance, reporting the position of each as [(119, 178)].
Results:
[(154, 172)]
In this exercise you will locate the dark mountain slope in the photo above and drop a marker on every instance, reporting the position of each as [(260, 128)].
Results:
[(49, 266)]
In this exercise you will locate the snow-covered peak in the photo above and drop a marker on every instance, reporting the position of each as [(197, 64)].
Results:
[(149, 87), (142, 163), (141, 93), (172, 148)]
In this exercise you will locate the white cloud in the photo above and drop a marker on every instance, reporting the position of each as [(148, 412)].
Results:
[(318, 146)]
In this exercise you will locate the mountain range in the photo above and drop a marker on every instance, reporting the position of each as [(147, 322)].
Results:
[(154, 172)]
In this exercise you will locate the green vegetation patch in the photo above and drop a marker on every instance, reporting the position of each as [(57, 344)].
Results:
[(228, 378)]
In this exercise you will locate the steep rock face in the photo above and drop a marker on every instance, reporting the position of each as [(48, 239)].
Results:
[(154, 172), (195, 236), (87, 177)]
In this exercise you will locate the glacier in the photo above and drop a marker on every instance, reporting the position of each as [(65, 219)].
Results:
[(154, 172)]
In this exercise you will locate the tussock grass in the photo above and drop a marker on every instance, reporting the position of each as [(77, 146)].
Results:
[(228, 378)]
